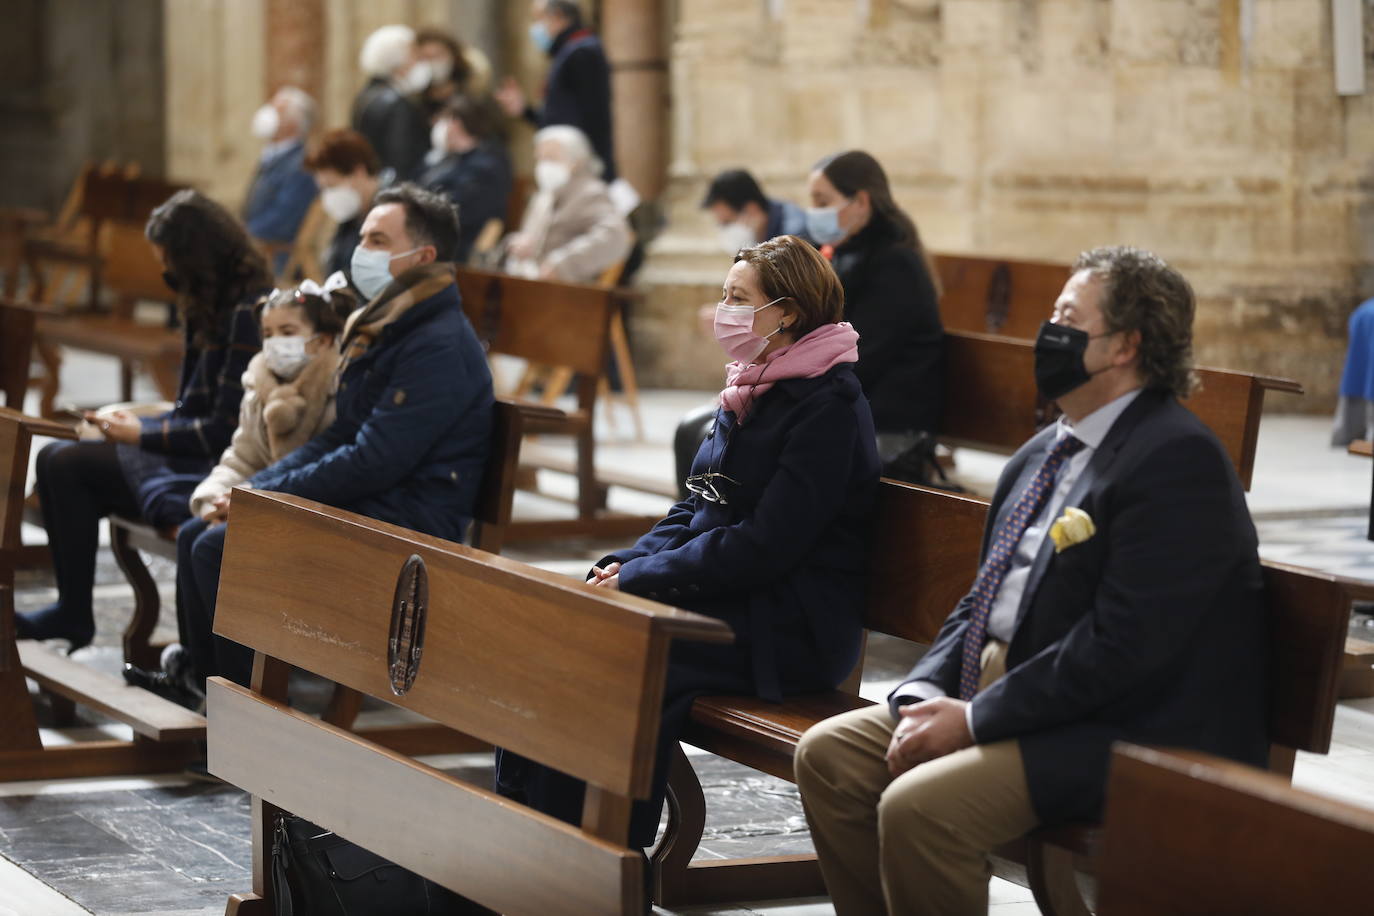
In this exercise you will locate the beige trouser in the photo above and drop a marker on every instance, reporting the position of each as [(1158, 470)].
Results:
[(916, 844)]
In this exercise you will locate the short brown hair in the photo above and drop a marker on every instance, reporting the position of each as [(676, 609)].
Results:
[(1146, 295), (789, 268), (343, 150)]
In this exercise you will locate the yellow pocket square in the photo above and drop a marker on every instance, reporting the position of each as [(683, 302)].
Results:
[(1073, 527)]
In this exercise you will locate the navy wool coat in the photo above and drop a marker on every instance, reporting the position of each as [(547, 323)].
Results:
[(177, 449), (412, 431), (784, 561)]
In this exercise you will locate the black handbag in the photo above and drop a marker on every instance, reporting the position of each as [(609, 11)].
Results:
[(318, 873)]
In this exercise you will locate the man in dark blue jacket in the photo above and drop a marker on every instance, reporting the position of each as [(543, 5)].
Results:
[(414, 402), (1119, 598), (578, 88)]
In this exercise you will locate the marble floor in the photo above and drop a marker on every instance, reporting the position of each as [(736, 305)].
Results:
[(170, 845)]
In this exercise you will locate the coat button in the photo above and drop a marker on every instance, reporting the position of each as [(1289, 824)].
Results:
[(453, 476)]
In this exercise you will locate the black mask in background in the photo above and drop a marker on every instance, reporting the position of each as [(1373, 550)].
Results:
[(172, 280), (1059, 365)]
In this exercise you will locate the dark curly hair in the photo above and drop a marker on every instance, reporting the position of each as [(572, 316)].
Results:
[(1145, 294), (213, 264)]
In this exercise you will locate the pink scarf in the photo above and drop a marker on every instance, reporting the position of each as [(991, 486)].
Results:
[(814, 355)]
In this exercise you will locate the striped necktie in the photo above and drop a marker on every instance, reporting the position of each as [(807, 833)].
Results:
[(1000, 552)]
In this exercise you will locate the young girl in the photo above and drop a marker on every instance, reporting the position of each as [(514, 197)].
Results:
[(288, 398)]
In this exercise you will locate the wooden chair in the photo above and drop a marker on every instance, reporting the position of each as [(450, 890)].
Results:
[(997, 295), (485, 624), (1190, 834), (556, 379), (302, 252), (925, 558), (992, 402), (113, 254), (559, 324), (492, 513), (17, 325), (166, 736)]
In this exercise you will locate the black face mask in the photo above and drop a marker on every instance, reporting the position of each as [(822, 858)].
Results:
[(172, 280), (1059, 365)]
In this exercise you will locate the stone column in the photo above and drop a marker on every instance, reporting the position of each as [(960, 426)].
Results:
[(295, 46), (633, 33)]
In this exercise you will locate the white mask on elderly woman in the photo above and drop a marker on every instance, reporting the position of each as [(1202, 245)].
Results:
[(550, 176), (438, 137), (266, 122)]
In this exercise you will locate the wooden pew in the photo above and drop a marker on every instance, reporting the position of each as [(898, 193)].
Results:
[(165, 735), (997, 295), (555, 324), (1189, 834), (925, 559), (491, 517), (114, 206), (18, 323), (992, 403), (481, 620)]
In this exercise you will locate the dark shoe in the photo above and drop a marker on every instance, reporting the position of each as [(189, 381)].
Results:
[(52, 623), (165, 686)]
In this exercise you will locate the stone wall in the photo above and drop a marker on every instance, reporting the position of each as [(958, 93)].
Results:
[(1206, 130)]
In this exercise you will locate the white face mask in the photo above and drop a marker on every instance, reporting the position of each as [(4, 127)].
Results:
[(438, 136), (736, 235), (342, 202), (266, 122), (370, 269), (550, 176), (440, 68), (417, 78), (285, 354)]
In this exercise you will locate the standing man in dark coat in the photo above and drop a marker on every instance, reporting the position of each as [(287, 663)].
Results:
[(578, 88), (1119, 598), (413, 424)]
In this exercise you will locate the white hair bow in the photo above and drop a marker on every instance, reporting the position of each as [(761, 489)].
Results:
[(336, 280)]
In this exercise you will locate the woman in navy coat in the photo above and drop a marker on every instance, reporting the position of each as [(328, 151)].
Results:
[(773, 536)]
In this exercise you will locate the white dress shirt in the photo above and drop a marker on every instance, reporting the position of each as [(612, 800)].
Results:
[(1090, 430)]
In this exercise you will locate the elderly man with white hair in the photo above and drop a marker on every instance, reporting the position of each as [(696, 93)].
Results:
[(281, 190), (387, 111), (572, 230)]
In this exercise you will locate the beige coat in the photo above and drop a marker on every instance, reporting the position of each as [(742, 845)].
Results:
[(577, 230), (275, 419)]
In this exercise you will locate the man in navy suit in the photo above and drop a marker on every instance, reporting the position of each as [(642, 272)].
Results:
[(282, 190), (1118, 597)]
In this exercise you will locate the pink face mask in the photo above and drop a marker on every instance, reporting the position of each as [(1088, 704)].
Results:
[(734, 328)]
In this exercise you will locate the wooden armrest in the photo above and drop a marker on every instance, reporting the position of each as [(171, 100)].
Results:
[(53, 250), (535, 412), (1362, 447), (1273, 383)]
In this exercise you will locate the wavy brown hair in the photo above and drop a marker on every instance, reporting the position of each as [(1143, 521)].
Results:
[(212, 261), (1142, 293), (789, 268)]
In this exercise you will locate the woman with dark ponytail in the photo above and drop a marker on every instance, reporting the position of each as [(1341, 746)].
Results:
[(147, 467), (891, 294)]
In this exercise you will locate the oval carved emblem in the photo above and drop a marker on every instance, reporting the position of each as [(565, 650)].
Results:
[(408, 610)]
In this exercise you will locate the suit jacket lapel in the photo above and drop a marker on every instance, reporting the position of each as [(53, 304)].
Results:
[(1102, 458)]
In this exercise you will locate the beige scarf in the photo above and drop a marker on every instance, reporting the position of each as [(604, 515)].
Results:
[(412, 287)]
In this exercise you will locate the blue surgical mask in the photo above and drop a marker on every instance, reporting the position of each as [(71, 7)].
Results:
[(371, 269), (823, 225), (539, 34)]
